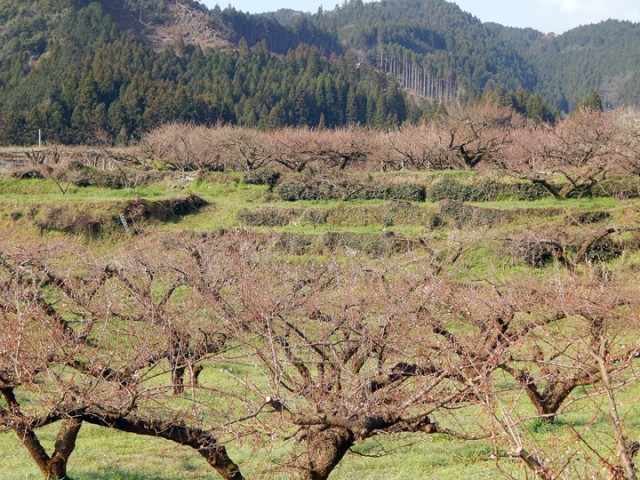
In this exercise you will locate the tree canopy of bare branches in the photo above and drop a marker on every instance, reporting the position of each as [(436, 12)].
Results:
[(337, 353)]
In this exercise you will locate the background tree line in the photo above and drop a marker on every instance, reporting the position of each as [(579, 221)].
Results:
[(105, 85), (85, 72)]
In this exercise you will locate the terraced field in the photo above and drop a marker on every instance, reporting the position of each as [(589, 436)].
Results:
[(485, 236)]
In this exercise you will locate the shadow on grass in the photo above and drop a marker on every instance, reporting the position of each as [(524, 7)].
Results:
[(121, 474)]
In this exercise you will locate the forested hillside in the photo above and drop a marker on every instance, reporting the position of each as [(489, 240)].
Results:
[(98, 81), (441, 52), (103, 71), (431, 46), (569, 66)]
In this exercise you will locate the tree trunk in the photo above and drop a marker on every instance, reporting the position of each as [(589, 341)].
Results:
[(177, 379), (326, 449), (54, 467), (200, 440), (64, 446)]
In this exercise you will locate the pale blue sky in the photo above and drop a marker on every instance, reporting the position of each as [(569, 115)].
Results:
[(555, 16)]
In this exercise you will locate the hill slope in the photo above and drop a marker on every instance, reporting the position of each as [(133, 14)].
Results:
[(431, 43), (100, 74), (99, 71)]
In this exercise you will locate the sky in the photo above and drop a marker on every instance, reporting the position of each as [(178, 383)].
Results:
[(548, 16)]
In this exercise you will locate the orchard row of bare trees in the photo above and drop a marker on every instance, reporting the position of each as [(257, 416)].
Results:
[(580, 148), (578, 152), (333, 354)]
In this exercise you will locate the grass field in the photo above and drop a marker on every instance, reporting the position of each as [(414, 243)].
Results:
[(373, 231)]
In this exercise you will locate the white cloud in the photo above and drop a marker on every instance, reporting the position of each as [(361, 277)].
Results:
[(569, 6), (545, 15), (593, 11)]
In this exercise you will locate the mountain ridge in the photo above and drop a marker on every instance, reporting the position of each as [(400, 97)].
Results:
[(56, 65)]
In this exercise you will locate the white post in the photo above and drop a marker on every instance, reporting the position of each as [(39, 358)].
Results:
[(39, 138)]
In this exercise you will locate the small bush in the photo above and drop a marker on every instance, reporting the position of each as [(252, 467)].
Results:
[(583, 191), (25, 173), (264, 176), (488, 191), (90, 177), (590, 217), (436, 221), (410, 192), (315, 216), (528, 191), (325, 188), (294, 244), (295, 190), (162, 210), (467, 215), (531, 252), (447, 189), (604, 250), (619, 187), (266, 217), (68, 220)]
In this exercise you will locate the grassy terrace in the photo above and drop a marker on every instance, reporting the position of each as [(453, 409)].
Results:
[(496, 239)]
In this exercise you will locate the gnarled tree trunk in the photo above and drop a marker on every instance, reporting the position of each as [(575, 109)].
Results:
[(325, 451)]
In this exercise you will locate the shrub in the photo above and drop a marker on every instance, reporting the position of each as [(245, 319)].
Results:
[(531, 252), (436, 221), (68, 219), (25, 173), (263, 176), (295, 190), (325, 188), (582, 191), (162, 210), (373, 245), (266, 217), (294, 244), (590, 217), (528, 191), (604, 250), (472, 216), (447, 189), (619, 187), (407, 191), (488, 191), (315, 216), (86, 176)]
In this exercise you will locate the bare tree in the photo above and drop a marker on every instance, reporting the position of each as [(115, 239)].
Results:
[(335, 353), (565, 334), (576, 154), (183, 147), (89, 344), (296, 148), (338, 352), (49, 163), (421, 147), (479, 134)]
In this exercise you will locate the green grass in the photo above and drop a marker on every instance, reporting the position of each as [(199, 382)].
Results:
[(103, 454), (106, 454)]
